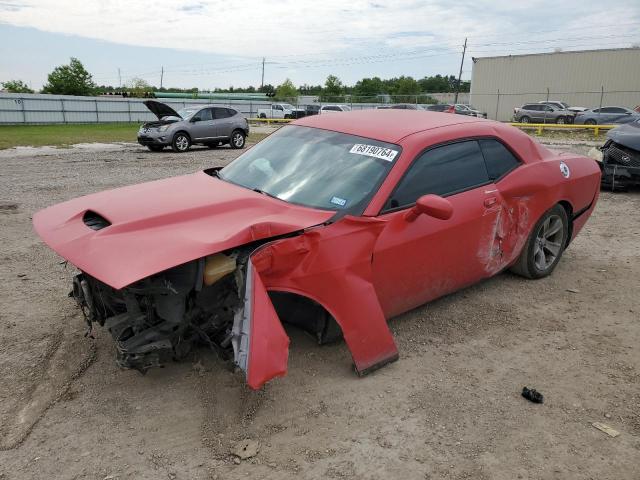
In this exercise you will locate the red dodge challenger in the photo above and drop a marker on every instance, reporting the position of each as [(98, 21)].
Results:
[(334, 223)]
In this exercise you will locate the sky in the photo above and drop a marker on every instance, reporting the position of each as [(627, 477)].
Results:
[(220, 43)]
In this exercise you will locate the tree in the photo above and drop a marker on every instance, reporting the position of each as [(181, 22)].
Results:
[(16, 86), (287, 91), (139, 87), (72, 79), (333, 87)]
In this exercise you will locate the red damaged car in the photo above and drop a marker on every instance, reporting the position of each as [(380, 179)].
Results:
[(335, 223)]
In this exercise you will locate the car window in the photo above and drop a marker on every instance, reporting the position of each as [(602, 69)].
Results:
[(220, 113), (314, 167), (231, 112), (498, 158), (203, 115), (276, 107), (608, 110), (530, 107), (618, 110), (335, 109), (442, 171)]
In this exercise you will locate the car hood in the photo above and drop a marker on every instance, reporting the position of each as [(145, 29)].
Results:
[(627, 135), (158, 225), (160, 110)]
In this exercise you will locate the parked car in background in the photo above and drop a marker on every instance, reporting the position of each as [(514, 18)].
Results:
[(334, 109), (439, 107), (563, 105), (205, 125), (606, 116), (402, 106), (311, 110), (281, 110), (335, 223), (469, 110), (621, 157), (542, 113)]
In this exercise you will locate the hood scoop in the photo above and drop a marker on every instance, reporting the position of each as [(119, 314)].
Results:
[(94, 220)]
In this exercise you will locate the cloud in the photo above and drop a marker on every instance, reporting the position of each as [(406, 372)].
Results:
[(324, 30)]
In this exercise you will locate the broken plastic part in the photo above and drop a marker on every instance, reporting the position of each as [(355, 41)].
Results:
[(217, 266)]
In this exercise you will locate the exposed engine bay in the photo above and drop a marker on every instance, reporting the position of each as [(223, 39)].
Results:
[(159, 318)]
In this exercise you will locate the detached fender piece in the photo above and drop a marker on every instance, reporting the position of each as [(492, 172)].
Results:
[(330, 265), (260, 344)]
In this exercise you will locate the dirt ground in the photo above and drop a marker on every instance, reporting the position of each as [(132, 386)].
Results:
[(449, 408)]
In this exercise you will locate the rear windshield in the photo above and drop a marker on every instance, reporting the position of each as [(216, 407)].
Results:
[(315, 168)]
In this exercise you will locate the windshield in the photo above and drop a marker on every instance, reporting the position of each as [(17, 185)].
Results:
[(185, 113), (313, 167)]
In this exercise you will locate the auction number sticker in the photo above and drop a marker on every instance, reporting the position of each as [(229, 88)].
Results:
[(382, 153)]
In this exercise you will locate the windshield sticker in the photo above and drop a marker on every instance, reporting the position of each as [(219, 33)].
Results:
[(338, 201), (374, 151)]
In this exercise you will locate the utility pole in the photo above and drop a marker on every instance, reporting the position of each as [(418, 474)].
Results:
[(262, 81), (464, 49), (161, 76), (119, 79)]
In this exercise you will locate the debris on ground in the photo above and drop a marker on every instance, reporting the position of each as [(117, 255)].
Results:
[(573, 290), (606, 429), (198, 367), (245, 449), (532, 395)]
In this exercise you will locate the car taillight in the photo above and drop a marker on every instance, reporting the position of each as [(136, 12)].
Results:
[(451, 109)]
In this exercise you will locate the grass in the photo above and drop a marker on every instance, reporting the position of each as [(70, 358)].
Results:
[(65, 135)]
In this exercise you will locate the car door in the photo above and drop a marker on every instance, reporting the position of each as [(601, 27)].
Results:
[(417, 261), (202, 126), (222, 118), (277, 111)]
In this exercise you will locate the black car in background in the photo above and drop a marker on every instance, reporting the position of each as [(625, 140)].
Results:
[(311, 110), (621, 157)]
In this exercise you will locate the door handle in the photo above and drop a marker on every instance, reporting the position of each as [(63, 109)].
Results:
[(490, 202)]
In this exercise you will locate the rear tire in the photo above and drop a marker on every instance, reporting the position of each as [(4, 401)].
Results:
[(181, 142), (237, 139), (545, 245), (262, 115)]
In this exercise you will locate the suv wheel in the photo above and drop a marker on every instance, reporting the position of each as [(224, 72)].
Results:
[(181, 142), (524, 119), (561, 120), (590, 122), (237, 139)]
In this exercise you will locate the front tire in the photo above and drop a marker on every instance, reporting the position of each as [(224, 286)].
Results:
[(561, 120), (590, 122), (181, 142), (545, 245), (237, 139), (524, 119)]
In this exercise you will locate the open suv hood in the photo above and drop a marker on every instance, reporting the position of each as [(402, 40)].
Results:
[(160, 110), (124, 235)]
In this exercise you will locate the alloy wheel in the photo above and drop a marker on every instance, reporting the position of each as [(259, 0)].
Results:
[(548, 242)]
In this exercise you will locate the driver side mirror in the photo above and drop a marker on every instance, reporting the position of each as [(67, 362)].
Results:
[(433, 205)]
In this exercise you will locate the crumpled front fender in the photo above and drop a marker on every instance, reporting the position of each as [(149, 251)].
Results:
[(332, 266)]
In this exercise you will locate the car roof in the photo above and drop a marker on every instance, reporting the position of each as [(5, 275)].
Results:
[(387, 125)]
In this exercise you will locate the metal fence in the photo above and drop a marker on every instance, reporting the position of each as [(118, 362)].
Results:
[(500, 105), (53, 109), (43, 109)]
